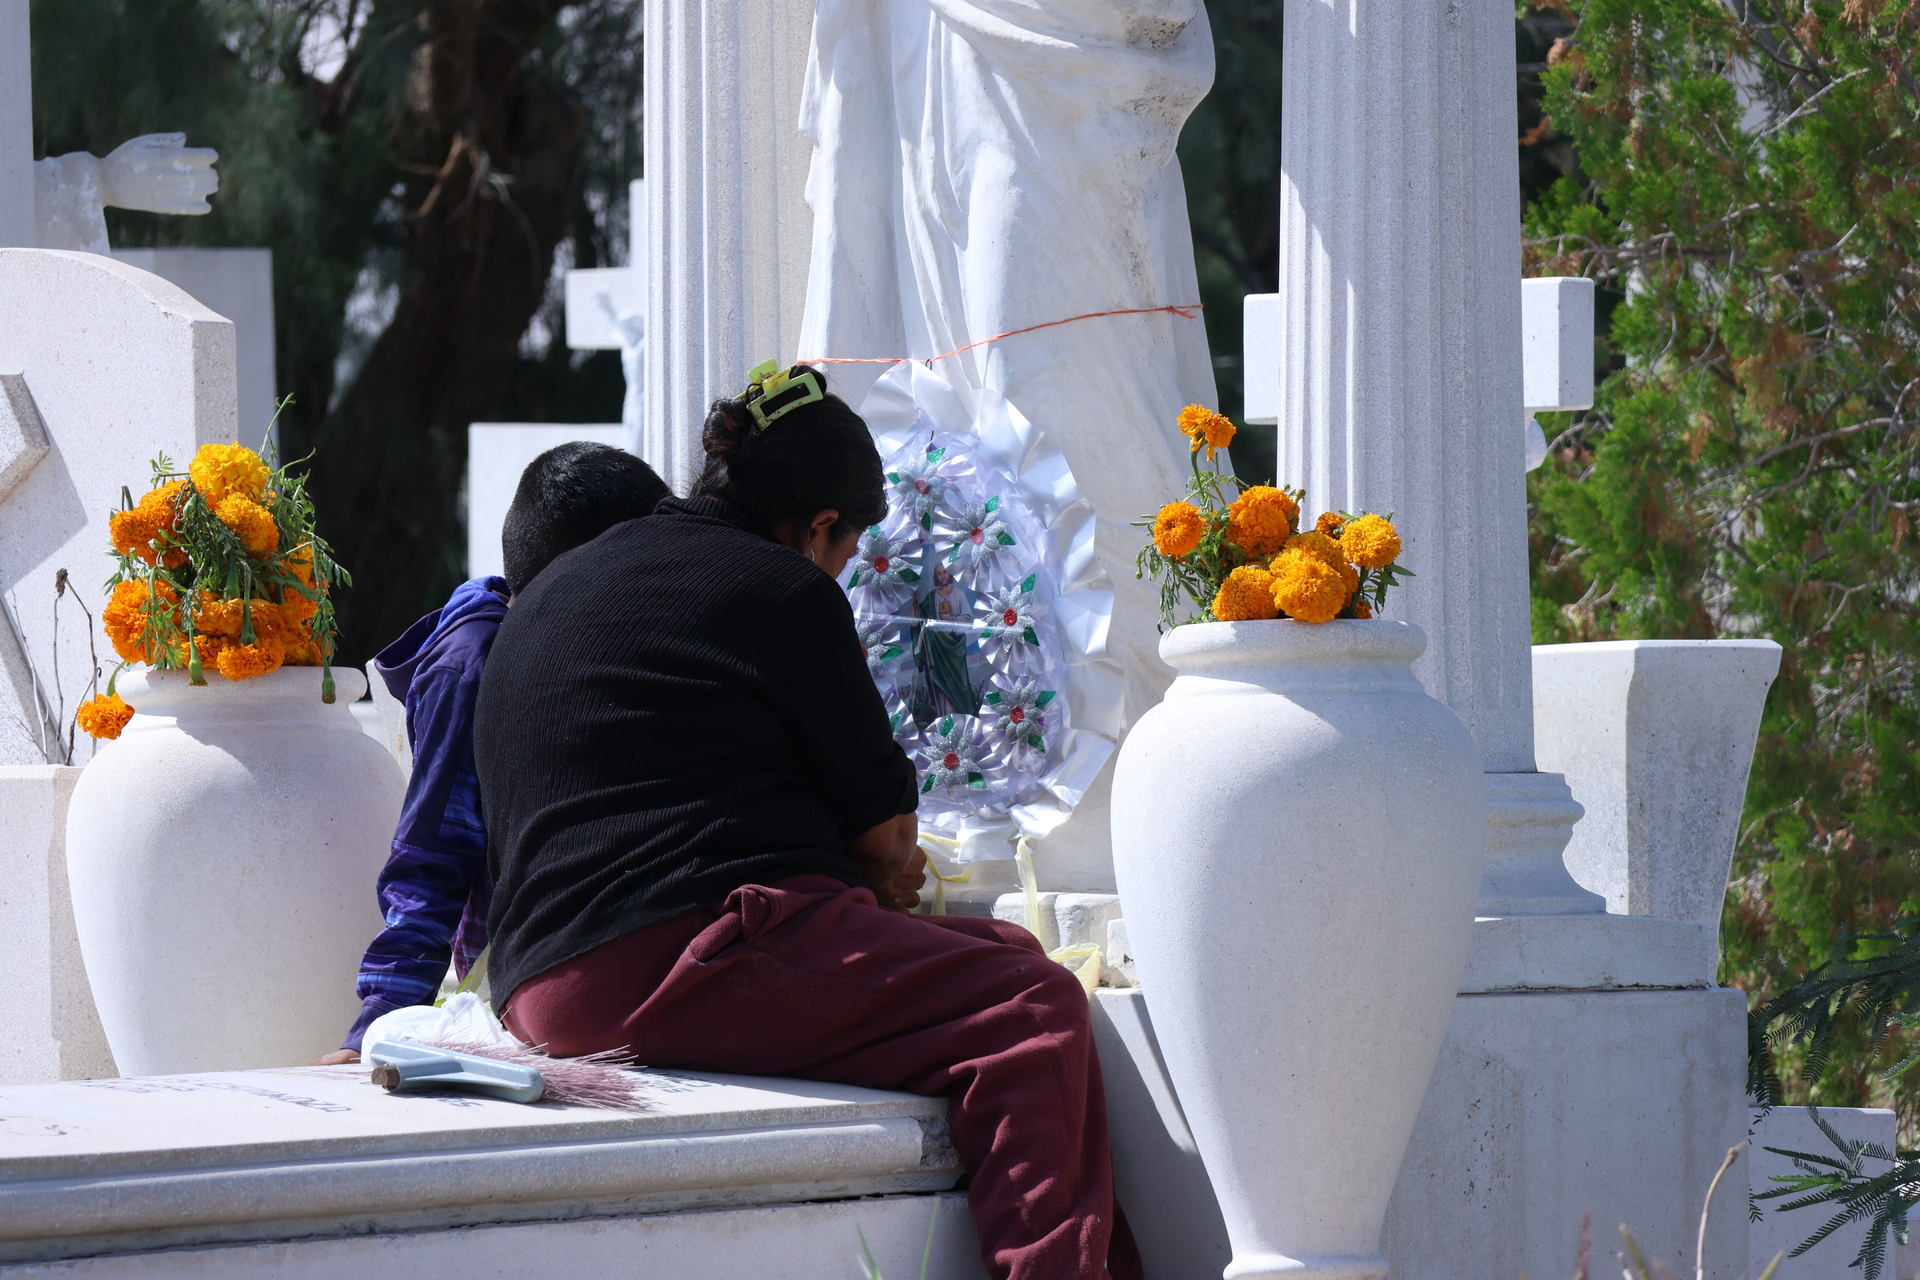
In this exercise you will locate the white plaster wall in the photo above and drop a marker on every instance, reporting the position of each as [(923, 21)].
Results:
[(53, 1031), (497, 452), (782, 1242)]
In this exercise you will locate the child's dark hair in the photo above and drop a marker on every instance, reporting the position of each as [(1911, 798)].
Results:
[(815, 458), (567, 497)]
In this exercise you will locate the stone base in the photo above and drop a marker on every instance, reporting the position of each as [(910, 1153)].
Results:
[(46, 1004), (778, 1242), (1543, 1106), (112, 1168), (1587, 953)]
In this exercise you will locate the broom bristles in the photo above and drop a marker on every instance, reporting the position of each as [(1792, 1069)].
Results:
[(602, 1080)]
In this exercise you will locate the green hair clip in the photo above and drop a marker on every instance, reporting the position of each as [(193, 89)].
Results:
[(773, 392)]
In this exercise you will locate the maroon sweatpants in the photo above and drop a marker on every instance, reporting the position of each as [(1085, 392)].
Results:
[(810, 978)]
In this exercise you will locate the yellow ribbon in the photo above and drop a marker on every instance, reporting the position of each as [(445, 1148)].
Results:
[(1082, 959), (941, 882)]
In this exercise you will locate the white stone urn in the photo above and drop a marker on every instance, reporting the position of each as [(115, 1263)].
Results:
[(1298, 832), (223, 854)]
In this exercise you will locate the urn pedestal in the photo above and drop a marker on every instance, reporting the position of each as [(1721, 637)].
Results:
[(1298, 835), (223, 854)]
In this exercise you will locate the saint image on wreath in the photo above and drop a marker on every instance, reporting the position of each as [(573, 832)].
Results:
[(945, 653)]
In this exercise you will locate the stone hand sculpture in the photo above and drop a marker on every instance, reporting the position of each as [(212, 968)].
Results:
[(156, 173)]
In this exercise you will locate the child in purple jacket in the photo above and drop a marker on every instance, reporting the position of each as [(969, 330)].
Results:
[(435, 889)]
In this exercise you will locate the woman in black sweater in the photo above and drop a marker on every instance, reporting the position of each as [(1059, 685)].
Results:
[(704, 846)]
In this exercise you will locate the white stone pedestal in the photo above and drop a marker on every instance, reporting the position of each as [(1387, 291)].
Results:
[(1542, 1106), (53, 1032), (316, 1172)]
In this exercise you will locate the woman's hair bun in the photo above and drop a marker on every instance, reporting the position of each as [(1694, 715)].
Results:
[(727, 428)]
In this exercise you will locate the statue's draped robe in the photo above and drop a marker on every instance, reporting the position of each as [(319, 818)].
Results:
[(982, 167)]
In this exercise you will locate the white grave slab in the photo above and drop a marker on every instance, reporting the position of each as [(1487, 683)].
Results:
[(497, 452), (237, 284), (117, 1166)]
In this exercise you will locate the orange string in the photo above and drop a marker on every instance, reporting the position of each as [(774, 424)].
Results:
[(1187, 311)]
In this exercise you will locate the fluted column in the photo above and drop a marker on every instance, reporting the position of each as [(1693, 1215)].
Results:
[(1400, 364), (729, 230), (17, 227)]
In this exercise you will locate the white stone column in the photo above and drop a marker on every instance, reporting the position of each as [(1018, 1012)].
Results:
[(1399, 353), (16, 128), (729, 230)]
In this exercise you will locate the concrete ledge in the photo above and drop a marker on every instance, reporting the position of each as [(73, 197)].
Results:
[(115, 1166), (777, 1242), (1587, 953)]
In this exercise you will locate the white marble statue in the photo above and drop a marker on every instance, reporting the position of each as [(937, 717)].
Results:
[(156, 173), (980, 167)]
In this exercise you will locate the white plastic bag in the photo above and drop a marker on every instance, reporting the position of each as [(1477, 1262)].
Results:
[(463, 1019)]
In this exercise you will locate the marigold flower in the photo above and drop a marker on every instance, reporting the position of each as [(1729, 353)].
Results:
[(1261, 520), (222, 469), (218, 617), (1363, 610), (104, 716), (1329, 523), (251, 523), (129, 611), (1177, 530), (1320, 547), (1246, 596), (157, 512), (295, 609), (1202, 425), (303, 653), (245, 661), (1307, 588), (1370, 542)]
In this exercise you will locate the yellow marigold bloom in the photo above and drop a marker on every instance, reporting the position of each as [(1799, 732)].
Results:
[(1307, 588), (104, 716), (1261, 520), (1246, 596), (304, 653), (219, 617), (295, 609), (1329, 523), (1363, 610), (245, 661), (1177, 530), (1370, 542), (1202, 425), (1320, 547), (250, 522), (222, 469)]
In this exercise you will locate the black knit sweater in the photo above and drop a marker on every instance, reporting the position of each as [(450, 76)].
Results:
[(674, 710)]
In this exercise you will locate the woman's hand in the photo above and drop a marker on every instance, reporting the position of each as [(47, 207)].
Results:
[(893, 860), (338, 1058)]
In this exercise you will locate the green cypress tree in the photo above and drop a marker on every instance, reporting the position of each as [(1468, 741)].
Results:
[(1749, 191)]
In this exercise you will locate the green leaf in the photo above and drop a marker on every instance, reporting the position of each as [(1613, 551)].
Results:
[(1006, 539), (976, 782), (1035, 741), (993, 504), (908, 575), (993, 699), (1029, 636), (934, 455), (1026, 583), (853, 581), (1046, 696)]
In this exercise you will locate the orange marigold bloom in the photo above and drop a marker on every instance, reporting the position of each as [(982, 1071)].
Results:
[(251, 523), (1261, 520), (1363, 610), (295, 609), (1320, 547), (219, 617), (104, 716), (303, 653), (221, 469), (1177, 530), (245, 661), (157, 512), (1246, 596), (1329, 523), (1307, 588), (1202, 425), (128, 613), (1370, 542)]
